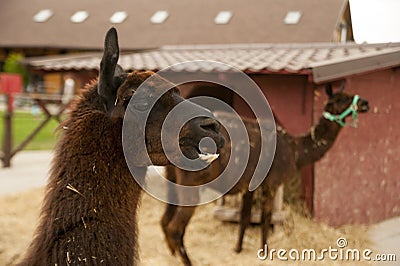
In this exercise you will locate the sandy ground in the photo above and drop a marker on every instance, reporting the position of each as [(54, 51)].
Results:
[(208, 241)]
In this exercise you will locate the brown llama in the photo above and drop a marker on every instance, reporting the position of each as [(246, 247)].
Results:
[(89, 210), (292, 153)]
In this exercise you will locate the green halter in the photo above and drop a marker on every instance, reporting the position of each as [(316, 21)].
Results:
[(340, 118)]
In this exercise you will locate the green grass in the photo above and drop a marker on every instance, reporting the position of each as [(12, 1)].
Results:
[(23, 123)]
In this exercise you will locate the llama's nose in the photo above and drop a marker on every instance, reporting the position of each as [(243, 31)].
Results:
[(207, 127), (363, 105)]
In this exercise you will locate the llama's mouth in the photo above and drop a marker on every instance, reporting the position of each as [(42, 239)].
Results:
[(208, 157), (364, 108), (193, 151)]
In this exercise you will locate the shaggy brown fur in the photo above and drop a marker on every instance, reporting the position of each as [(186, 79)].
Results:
[(89, 211), (292, 153)]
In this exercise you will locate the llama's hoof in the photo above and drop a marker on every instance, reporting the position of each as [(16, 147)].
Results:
[(185, 258), (238, 249), (172, 250)]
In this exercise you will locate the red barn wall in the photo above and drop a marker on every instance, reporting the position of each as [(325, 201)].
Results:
[(290, 97), (358, 180)]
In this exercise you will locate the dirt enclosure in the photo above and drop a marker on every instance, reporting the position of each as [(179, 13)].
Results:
[(209, 242)]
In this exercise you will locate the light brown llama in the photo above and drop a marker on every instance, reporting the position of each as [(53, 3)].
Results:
[(89, 211), (292, 153)]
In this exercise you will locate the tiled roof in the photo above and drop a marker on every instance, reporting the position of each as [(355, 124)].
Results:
[(263, 57)]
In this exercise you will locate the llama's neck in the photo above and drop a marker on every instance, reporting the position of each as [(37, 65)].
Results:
[(313, 146), (89, 211)]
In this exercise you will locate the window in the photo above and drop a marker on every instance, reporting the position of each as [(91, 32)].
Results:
[(223, 17), (43, 15), (159, 17), (292, 17), (118, 17), (79, 16)]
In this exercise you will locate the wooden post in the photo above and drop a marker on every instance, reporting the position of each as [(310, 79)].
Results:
[(278, 199), (278, 214), (7, 141)]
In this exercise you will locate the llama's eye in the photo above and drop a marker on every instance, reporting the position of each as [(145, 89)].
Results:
[(118, 80), (344, 100), (175, 91)]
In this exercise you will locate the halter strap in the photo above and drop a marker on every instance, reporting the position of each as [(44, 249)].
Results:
[(340, 118)]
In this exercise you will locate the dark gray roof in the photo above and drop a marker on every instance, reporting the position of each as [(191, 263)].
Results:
[(189, 22)]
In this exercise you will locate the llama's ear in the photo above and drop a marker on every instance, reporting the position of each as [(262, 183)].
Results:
[(328, 90), (108, 67)]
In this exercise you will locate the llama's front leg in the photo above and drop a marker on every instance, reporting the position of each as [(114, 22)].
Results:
[(266, 216), (245, 216), (175, 231), (169, 213), (171, 209)]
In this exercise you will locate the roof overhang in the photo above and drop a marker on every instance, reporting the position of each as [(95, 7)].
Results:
[(338, 68)]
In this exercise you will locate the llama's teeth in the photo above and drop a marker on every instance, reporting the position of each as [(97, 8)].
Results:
[(208, 158)]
